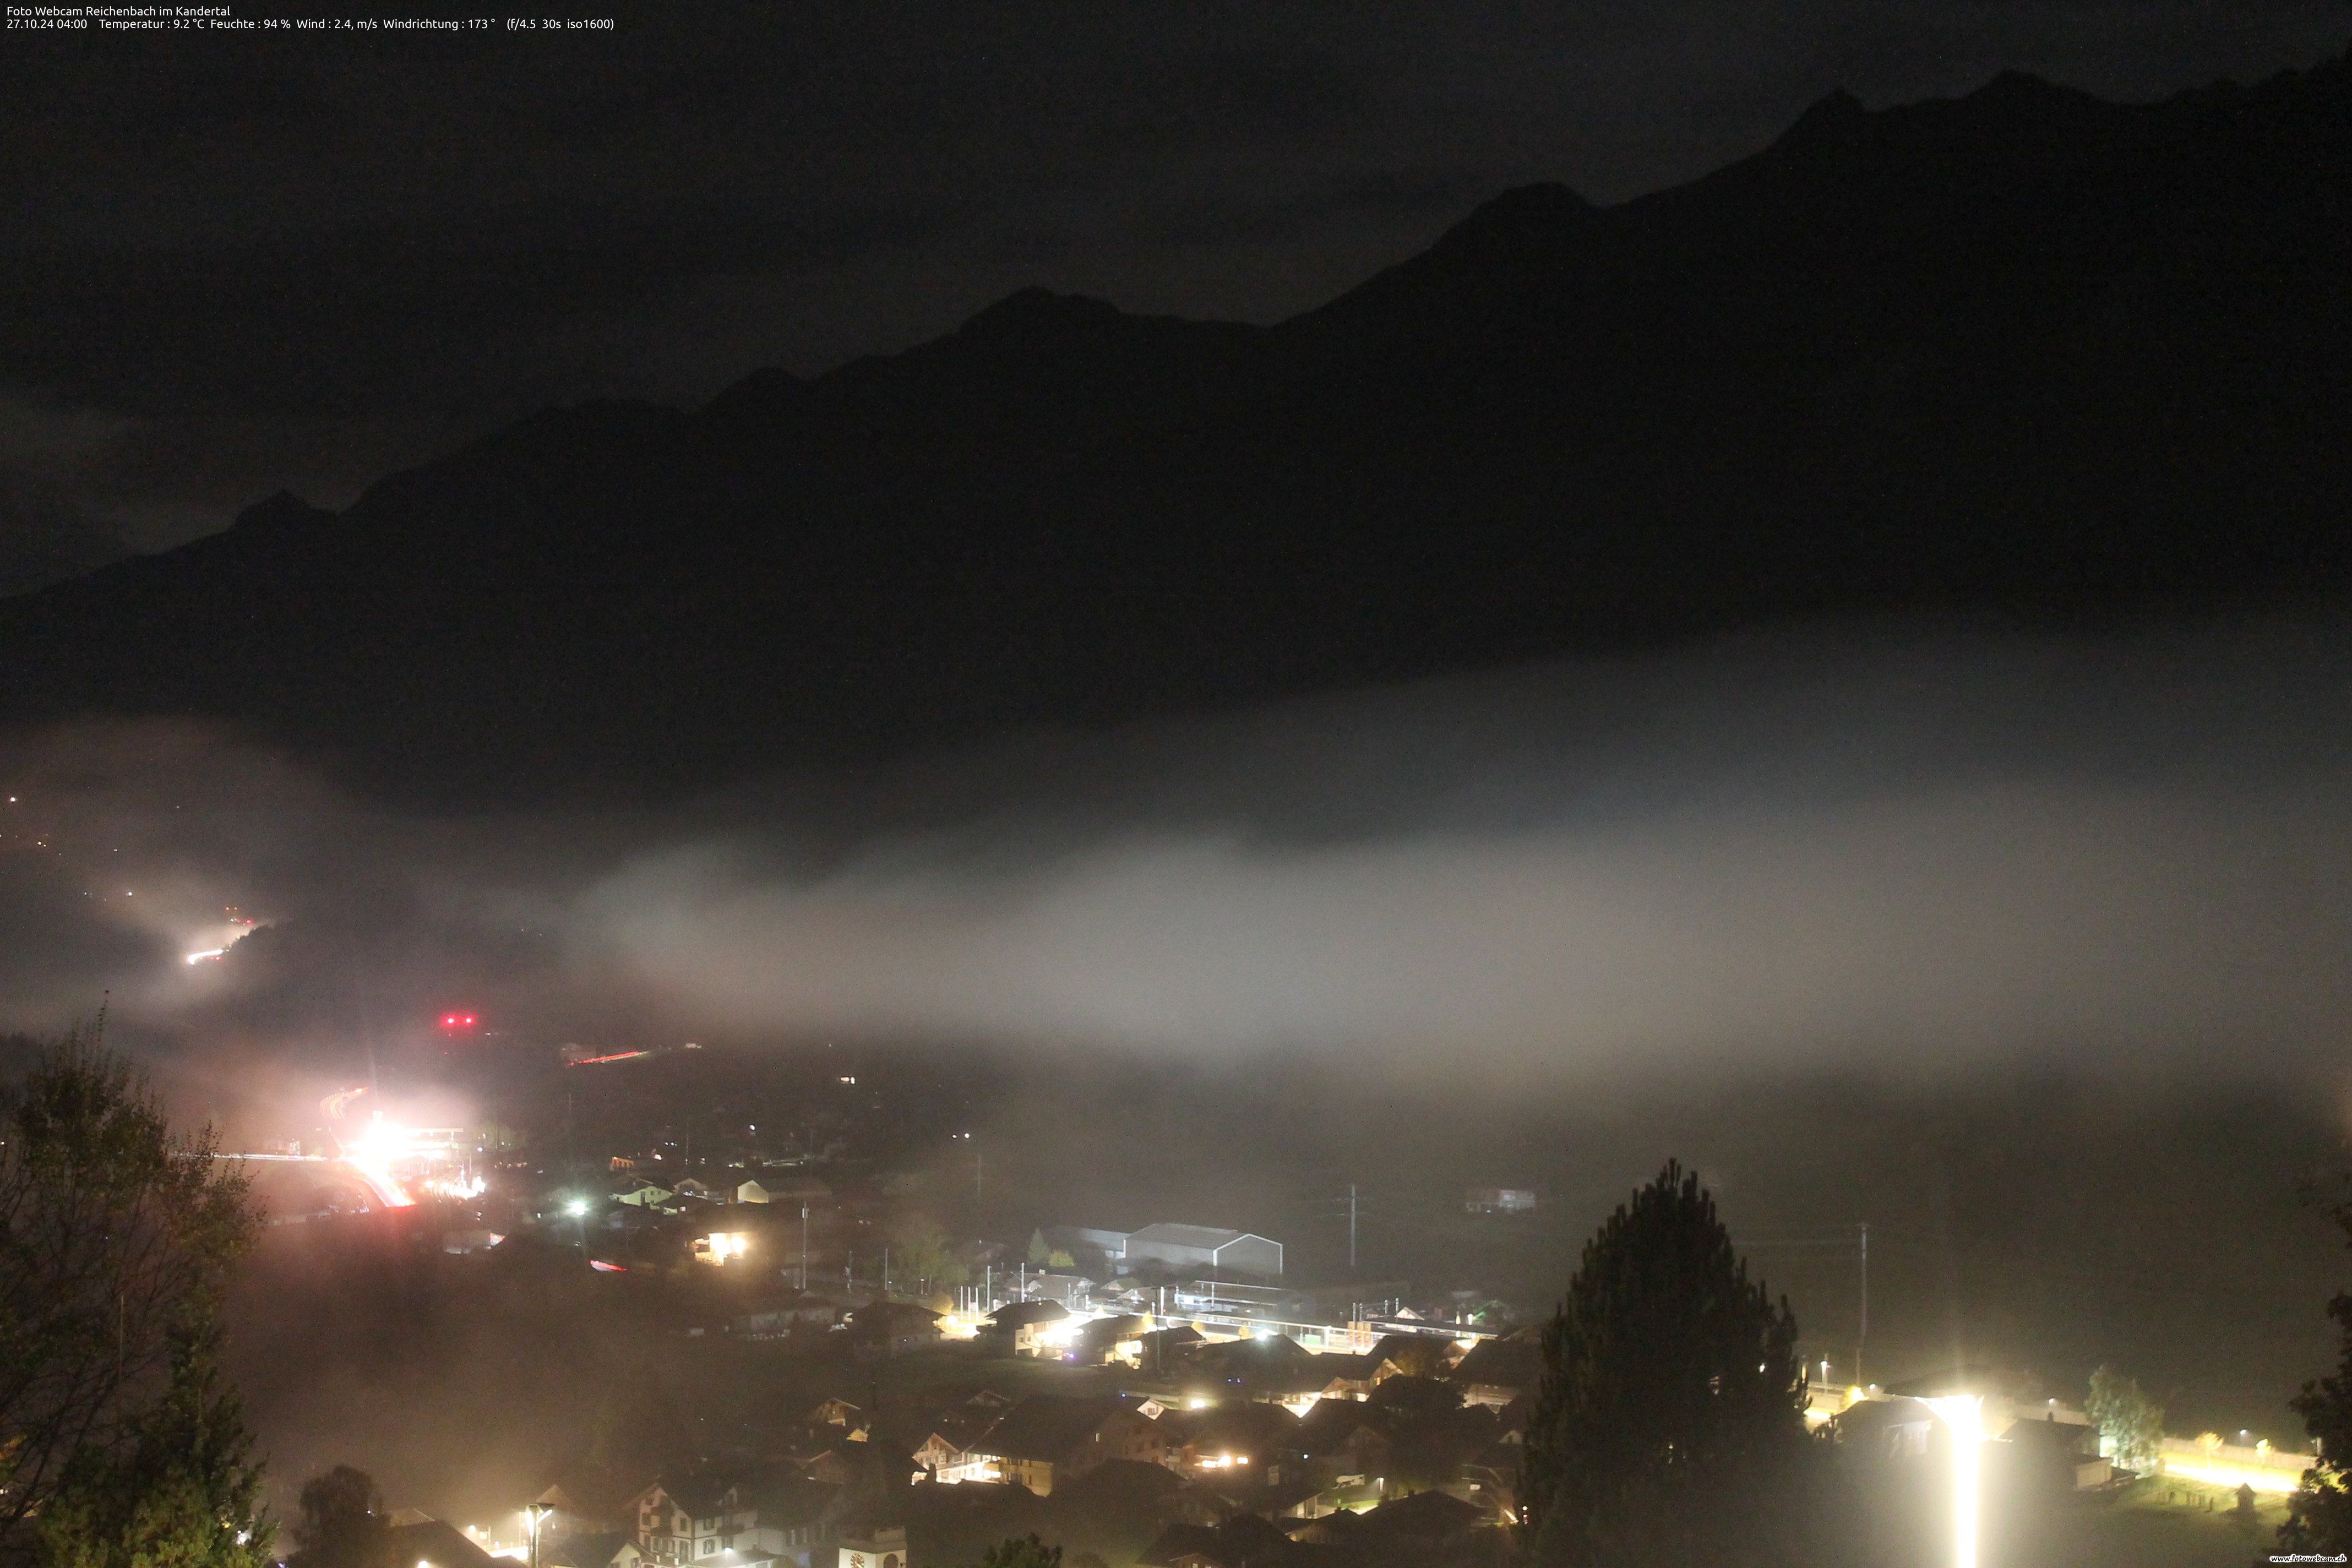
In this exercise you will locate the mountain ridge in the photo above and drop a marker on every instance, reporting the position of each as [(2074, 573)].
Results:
[(2022, 349)]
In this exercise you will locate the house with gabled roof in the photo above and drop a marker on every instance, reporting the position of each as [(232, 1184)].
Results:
[(691, 1518), (799, 1521), (1049, 1439)]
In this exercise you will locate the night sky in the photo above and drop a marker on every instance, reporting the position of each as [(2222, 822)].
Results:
[(237, 264)]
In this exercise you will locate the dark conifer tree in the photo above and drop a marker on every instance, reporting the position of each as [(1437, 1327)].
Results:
[(1669, 1428)]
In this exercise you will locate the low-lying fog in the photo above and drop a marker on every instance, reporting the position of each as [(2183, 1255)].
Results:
[(2029, 950)]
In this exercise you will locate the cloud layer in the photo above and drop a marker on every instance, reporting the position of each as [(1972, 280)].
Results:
[(1910, 850)]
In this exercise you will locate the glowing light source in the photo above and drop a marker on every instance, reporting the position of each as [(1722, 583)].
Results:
[(721, 1245), (208, 952), (1963, 1414)]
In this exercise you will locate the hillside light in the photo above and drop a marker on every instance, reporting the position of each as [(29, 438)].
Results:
[(1963, 1414), (577, 1208)]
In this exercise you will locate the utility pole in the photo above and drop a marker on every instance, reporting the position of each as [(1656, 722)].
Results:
[(1862, 1334), (1351, 1227), (804, 1247)]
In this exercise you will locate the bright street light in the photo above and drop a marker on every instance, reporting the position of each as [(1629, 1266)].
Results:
[(1964, 1414)]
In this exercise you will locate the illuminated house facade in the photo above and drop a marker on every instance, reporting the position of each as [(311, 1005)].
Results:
[(1051, 1439)]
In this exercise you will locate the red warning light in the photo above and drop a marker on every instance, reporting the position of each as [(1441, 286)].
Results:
[(456, 1020)]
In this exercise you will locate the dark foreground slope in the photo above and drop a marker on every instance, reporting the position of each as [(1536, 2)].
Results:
[(2023, 349)]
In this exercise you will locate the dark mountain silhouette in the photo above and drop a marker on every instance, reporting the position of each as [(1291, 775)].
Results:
[(2023, 350)]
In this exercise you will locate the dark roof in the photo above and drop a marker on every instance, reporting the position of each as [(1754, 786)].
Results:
[(1501, 1364), (1104, 1332), (1330, 1421), (1047, 1426), (2053, 1435), (1425, 1516), (1020, 1314), (587, 1550), (1244, 1424), (595, 1491), (1238, 1543), (794, 1500), (439, 1543), (1117, 1485), (1952, 1380), (703, 1497), (1177, 1540)]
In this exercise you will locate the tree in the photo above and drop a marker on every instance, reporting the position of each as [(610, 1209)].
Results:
[(2132, 1423), (1039, 1249), (341, 1522), (185, 1495), (1669, 1428), (117, 1238), (1022, 1552), (920, 1252), (2319, 1515)]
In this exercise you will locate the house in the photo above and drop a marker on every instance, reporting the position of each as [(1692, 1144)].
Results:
[(1337, 1376), (607, 1549), (1269, 1367), (799, 1522), (750, 1192), (1423, 1528), (435, 1543), (1191, 1246), (1032, 1328), (1073, 1290), (781, 1311), (1891, 1430), (1105, 1340), (1244, 1446), (835, 1411), (1499, 1200), (1115, 1510), (945, 1453), (1347, 1438), (691, 1518), (892, 1328), (1050, 1438), (588, 1499), (1497, 1372), (2050, 1455)]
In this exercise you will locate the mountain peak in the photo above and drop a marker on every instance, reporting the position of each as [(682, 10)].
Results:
[(1030, 311), (284, 513), (1537, 212), (1833, 111)]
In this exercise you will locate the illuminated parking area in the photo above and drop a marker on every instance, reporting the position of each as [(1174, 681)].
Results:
[(2210, 1460)]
